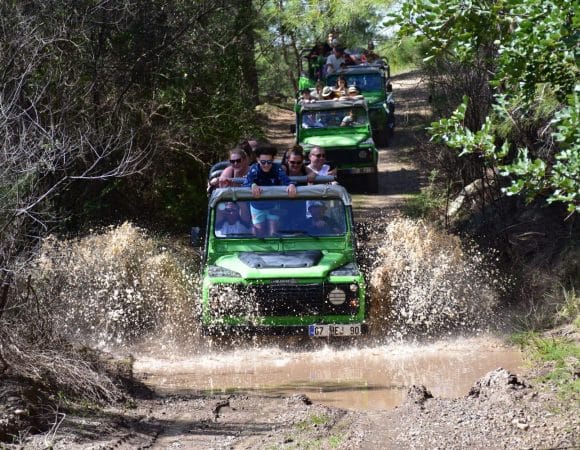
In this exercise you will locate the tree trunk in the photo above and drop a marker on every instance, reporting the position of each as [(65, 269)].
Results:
[(246, 21)]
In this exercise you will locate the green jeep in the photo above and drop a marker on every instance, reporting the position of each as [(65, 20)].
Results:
[(301, 278), (373, 83), (342, 128)]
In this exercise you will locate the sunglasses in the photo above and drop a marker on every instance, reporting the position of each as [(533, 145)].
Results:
[(319, 155), (235, 161), (294, 162), (266, 161)]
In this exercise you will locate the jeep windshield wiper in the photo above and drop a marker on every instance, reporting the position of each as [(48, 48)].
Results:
[(294, 233)]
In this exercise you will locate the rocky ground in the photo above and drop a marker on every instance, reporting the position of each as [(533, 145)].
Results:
[(501, 411)]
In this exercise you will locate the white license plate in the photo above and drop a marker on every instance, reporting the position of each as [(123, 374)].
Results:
[(353, 329)]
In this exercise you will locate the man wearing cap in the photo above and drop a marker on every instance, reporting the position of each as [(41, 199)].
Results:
[(353, 91), (318, 223), (232, 223)]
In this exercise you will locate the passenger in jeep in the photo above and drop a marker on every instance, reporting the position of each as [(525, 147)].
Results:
[(318, 165), (318, 223), (318, 88), (293, 161), (232, 224), (307, 96), (348, 119), (353, 92), (266, 173), (369, 55), (341, 87), (238, 168)]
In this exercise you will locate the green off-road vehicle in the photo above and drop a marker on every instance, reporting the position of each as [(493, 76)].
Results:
[(373, 83), (342, 128), (301, 277)]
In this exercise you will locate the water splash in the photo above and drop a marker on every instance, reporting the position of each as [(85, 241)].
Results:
[(427, 283), (120, 285), (123, 286)]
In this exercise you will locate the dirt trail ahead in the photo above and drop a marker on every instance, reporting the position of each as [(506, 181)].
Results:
[(398, 175), (500, 412)]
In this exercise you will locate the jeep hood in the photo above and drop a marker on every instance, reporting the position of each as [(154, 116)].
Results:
[(280, 265), (336, 140), (374, 98)]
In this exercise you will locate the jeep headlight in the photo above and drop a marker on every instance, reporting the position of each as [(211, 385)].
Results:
[(337, 296), (218, 271), (363, 154)]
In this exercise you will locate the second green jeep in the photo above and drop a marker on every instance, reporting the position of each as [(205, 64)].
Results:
[(342, 128)]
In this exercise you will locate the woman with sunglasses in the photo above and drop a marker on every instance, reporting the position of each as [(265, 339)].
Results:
[(318, 164), (293, 162), (266, 172), (238, 168)]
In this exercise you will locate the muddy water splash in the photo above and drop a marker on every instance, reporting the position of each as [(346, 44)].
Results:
[(122, 289), (427, 283), (120, 285)]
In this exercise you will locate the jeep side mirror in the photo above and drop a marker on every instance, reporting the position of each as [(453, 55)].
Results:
[(195, 237), (293, 128)]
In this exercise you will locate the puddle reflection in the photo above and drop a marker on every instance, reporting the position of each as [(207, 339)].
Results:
[(359, 379)]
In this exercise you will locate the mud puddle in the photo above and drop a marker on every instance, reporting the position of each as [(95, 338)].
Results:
[(371, 378)]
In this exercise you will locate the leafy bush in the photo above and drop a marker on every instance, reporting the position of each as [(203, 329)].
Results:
[(524, 47), (403, 55)]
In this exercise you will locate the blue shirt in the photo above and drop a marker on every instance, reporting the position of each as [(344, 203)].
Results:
[(275, 177)]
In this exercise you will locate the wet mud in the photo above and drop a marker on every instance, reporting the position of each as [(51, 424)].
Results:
[(369, 378)]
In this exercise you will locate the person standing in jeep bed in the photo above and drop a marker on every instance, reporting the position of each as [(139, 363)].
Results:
[(266, 173)]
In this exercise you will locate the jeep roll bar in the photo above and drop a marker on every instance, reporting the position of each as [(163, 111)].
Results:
[(303, 179)]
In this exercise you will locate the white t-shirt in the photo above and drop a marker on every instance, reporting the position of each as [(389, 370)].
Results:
[(235, 228), (347, 121), (334, 62), (323, 170)]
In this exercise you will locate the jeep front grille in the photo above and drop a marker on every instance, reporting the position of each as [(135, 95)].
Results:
[(346, 156), (280, 300)]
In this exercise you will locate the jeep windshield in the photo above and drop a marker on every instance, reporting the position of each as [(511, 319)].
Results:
[(291, 218), (364, 82), (334, 118)]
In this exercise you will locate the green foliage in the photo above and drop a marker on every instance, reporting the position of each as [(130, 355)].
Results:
[(291, 26), (150, 90), (428, 202), (527, 46), (570, 309), (561, 354), (403, 55), (313, 420)]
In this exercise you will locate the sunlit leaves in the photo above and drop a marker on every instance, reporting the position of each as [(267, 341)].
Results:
[(528, 45), (293, 25)]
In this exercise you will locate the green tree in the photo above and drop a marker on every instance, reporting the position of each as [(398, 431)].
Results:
[(114, 110), (530, 50), (289, 26)]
